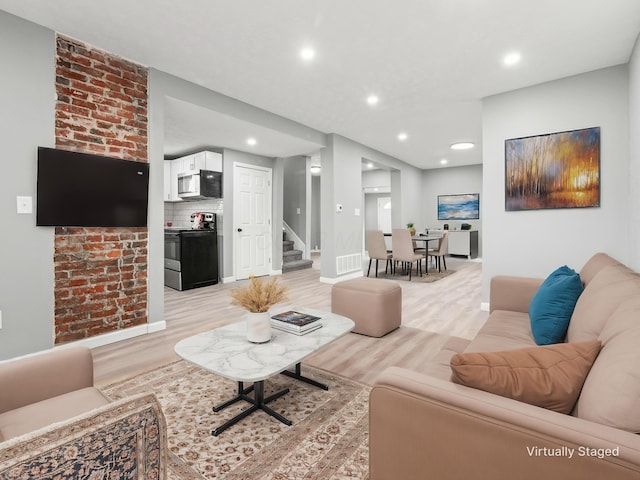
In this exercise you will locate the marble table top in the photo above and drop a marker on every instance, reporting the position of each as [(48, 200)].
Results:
[(227, 352)]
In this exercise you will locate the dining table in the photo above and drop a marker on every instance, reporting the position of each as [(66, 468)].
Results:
[(426, 239)]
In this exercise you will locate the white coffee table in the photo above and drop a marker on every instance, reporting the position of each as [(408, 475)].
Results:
[(227, 352)]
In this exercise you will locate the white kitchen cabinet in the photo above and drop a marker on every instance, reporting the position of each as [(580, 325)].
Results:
[(463, 242), (202, 161), (191, 163), (167, 180), (213, 161), (175, 167)]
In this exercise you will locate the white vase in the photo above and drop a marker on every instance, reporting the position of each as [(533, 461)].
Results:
[(258, 327)]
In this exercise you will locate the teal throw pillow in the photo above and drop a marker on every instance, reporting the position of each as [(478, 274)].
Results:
[(552, 305)]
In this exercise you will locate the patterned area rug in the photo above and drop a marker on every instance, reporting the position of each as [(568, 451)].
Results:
[(433, 276), (328, 438)]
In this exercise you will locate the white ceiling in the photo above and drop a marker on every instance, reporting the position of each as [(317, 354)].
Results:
[(429, 61)]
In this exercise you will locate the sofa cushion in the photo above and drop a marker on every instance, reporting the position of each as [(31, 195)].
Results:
[(503, 330), (40, 414), (593, 266), (552, 305), (548, 376), (604, 293), (611, 391)]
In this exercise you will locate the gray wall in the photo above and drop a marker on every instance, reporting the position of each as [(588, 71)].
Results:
[(229, 158), (295, 195), (535, 242), (316, 226), (342, 233), (27, 103), (634, 164), (163, 85), (448, 181)]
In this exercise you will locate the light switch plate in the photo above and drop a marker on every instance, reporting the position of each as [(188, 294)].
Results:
[(24, 205)]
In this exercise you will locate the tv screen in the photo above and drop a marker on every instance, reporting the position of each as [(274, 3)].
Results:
[(84, 190), (459, 207)]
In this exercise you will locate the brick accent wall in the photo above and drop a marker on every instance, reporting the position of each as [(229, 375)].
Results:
[(100, 273)]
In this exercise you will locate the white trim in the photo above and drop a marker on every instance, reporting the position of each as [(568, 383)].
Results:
[(298, 244), (484, 306), (269, 171), (276, 272), (156, 326), (118, 335), (341, 278), (101, 340), (230, 279)]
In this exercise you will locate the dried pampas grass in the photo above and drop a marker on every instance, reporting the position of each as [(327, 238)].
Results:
[(257, 296)]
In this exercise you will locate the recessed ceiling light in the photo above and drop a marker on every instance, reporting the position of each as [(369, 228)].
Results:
[(402, 136), (307, 53), (315, 169), (462, 146), (251, 141), (444, 161), (369, 165), (372, 100), (512, 59)]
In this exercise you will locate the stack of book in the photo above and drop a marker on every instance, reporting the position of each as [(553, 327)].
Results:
[(295, 322)]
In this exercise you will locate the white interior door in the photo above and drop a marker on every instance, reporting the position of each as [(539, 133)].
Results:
[(252, 220), (384, 218), (384, 214)]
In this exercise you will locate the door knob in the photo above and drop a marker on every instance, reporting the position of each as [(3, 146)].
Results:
[(239, 229)]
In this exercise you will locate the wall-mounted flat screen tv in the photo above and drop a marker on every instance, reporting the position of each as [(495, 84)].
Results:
[(459, 207), (84, 190)]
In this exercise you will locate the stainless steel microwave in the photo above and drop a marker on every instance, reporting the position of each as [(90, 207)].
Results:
[(200, 184)]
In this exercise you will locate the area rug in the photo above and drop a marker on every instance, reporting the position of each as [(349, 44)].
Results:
[(433, 276), (328, 438)]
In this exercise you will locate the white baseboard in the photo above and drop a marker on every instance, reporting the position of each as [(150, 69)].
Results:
[(341, 278), (276, 272), (113, 337), (104, 339), (484, 306), (228, 279)]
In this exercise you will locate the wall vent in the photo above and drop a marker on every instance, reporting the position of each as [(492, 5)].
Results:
[(348, 263)]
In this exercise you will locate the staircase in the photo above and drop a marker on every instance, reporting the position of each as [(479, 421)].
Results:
[(292, 259)]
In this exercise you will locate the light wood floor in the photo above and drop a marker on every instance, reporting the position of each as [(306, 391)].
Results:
[(431, 313)]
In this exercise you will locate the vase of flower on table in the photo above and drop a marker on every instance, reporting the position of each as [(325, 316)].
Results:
[(257, 297)]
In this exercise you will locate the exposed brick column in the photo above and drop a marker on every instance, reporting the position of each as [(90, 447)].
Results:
[(100, 273)]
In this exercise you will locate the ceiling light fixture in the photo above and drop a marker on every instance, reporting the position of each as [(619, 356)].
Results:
[(462, 146), (315, 169), (307, 53), (372, 100), (511, 59), (444, 161), (402, 136), (369, 165), (251, 141)]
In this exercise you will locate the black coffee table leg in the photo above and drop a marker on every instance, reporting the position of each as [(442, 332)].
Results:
[(258, 403), (242, 395), (298, 376)]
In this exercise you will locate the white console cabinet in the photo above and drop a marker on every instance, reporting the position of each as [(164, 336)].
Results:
[(463, 242)]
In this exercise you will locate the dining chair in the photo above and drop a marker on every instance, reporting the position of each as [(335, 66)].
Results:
[(402, 247), (377, 249), (440, 252)]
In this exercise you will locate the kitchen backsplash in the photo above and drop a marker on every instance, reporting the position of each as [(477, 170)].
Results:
[(179, 213)]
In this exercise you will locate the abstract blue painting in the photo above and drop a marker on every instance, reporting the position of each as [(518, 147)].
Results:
[(459, 207)]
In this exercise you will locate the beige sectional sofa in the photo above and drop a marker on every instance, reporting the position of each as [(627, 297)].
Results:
[(422, 425), (53, 421)]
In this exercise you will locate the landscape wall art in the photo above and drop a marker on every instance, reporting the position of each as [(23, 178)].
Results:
[(459, 207), (555, 170)]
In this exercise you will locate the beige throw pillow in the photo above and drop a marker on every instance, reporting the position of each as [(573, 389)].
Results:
[(549, 376)]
